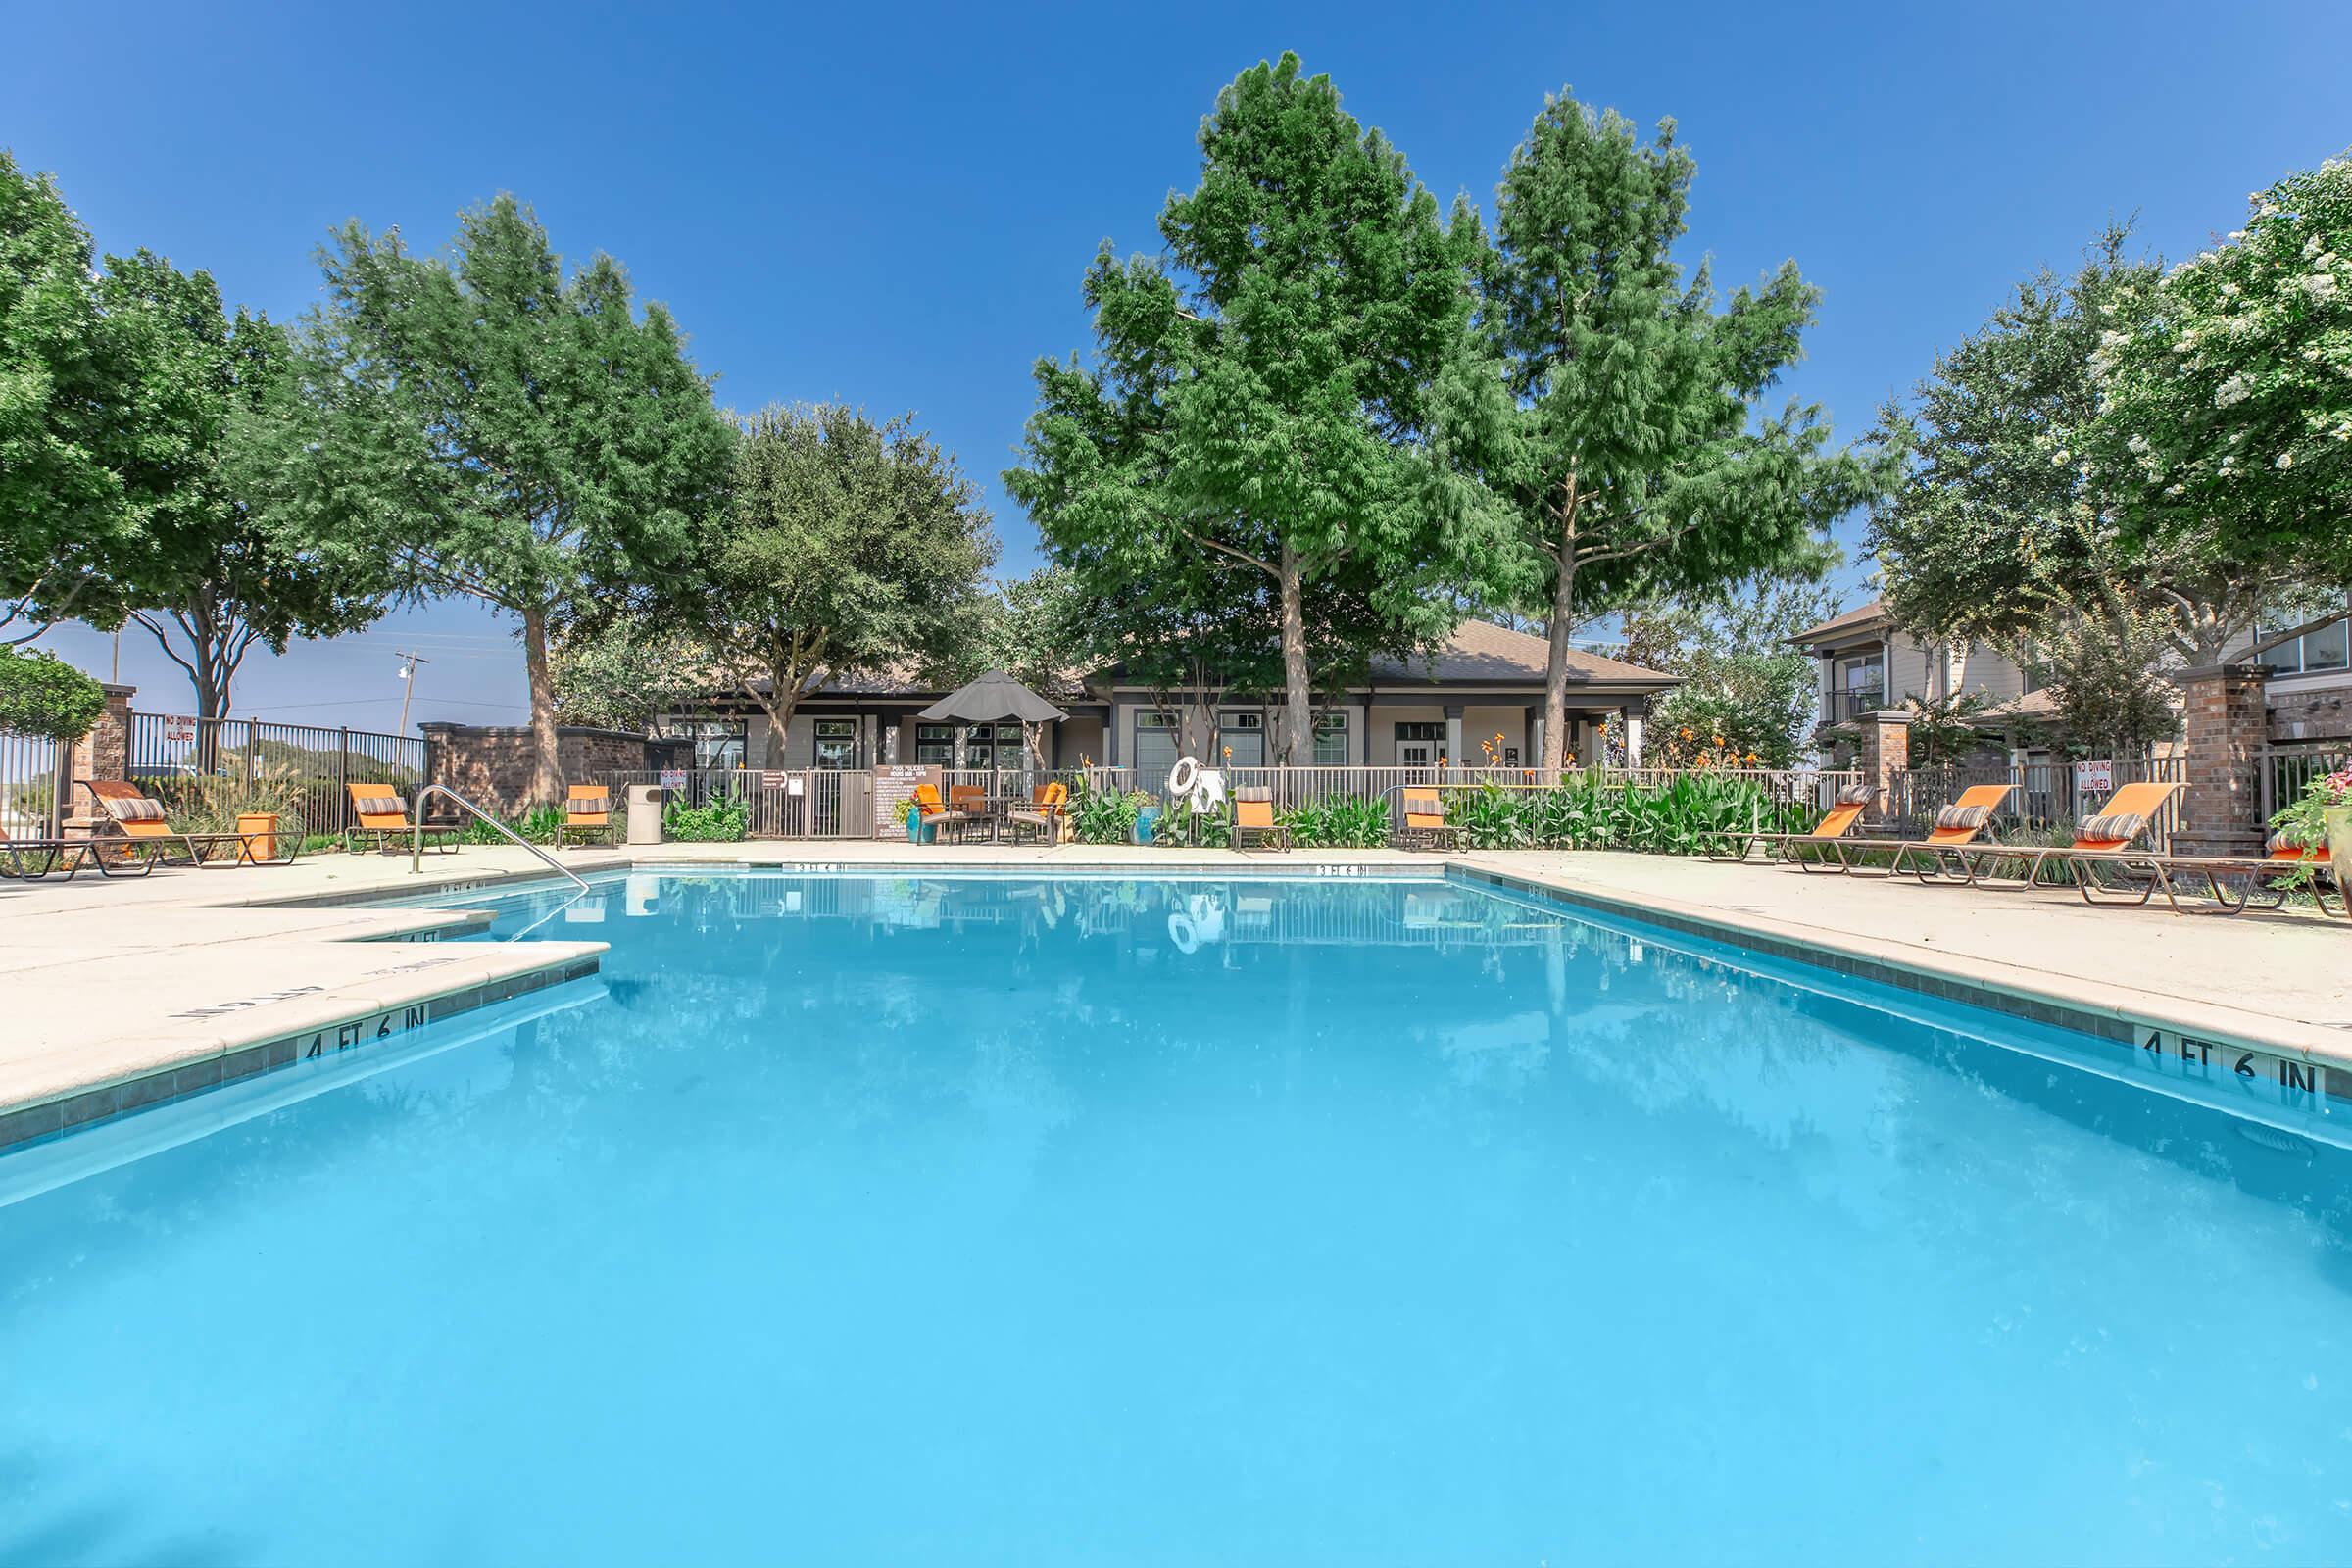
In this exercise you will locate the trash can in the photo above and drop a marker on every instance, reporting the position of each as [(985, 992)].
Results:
[(645, 812)]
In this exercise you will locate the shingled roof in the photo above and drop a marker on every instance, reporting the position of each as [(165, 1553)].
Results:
[(1859, 618), (1480, 652)]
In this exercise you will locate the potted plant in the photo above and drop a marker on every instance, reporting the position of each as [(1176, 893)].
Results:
[(916, 832), (2323, 818)]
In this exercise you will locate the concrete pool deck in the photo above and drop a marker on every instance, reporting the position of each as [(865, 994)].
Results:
[(115, 994)]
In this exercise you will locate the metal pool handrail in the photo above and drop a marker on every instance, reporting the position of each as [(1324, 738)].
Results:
[(416, 847)]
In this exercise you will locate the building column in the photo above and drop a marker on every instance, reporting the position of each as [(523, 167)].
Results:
[(2227, 725), (103, 753), (1593, 749), (1885, 753), (1632, 740), (1535, 737), (1453, 735)]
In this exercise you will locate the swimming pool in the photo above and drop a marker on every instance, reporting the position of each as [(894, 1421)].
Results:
[(998, 1220)]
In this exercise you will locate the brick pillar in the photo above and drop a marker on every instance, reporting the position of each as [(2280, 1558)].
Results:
[(2226, 722), (1883, 754), (105, 752)]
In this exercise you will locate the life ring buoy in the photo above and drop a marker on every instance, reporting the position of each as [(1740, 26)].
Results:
[(1183, 775)]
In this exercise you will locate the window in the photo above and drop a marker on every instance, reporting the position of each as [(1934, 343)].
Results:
[(717, 742), (1155, 741), (983, 747), (1868, 674), (836, 743), (1243, 734), (2321, 648), (1331, 740)]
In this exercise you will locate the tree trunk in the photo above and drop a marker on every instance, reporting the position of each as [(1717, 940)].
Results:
[(779, 709), (1563, 620), (1298, 697), (547, 762)]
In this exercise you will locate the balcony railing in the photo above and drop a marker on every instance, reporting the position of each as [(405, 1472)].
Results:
[(1842, 707)]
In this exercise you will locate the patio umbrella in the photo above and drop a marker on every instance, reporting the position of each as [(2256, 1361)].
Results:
[(992, 697)]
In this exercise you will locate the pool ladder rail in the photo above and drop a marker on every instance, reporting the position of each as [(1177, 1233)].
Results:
[(417, 845)]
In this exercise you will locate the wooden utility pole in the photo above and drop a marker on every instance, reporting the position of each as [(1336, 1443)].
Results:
[(408, 676)]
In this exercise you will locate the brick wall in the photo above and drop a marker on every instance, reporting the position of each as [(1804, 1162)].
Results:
[(2312, 713), (491, 764), (2224, 725)]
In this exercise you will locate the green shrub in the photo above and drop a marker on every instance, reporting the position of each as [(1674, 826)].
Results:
[(1339, 822), (1105, 816), (44, 697), (722, 821), (1586, 811)]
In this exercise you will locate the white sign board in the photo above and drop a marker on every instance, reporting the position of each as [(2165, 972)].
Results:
[(179, 732), (673, 779), (2095, 778)]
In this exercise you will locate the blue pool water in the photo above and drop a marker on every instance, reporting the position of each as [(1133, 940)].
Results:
[(880, 1220)]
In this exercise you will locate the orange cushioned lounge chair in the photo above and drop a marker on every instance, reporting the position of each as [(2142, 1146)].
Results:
[(588, 812), (140, 819), (2102, 848), (1254, 818), (1956, 824), (1836, 823), (1425, 825), (379, 808)]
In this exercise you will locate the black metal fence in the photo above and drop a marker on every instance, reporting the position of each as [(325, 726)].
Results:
[(206, 771), (2287, 771)]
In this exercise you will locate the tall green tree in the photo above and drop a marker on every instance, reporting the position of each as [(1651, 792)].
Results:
[(1256, 441), (65, 522), (225, 564), (843, 547), (504, 431), (2228, 389), (1629, 439), (2003, 526)]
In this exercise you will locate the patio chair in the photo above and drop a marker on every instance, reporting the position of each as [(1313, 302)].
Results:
[(936, 814), (588, 812), (141, 820), (1425, 825), (1254, 818), (1836, 823), (1048, 804), (1956, 824), (2102, 844), (379, 809), (30, 860)]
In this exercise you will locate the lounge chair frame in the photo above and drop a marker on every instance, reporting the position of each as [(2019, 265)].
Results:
[(391, 829), (1425, 825), (157, 835), (587, 824), (70, 856)]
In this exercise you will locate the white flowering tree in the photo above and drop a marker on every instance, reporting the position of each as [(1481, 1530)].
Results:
[(2002, 528), (2230, 402)]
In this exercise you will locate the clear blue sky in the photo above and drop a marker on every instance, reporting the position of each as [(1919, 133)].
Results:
[(893, 203)]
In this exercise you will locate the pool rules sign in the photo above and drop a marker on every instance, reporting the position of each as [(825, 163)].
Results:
[(894, 787)]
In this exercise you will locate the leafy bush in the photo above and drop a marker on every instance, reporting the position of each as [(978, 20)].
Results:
[(1105, 816), (541, 824), (722, 821), (1681, 817), (1207, 830), (1339, 822), (44, 697)]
